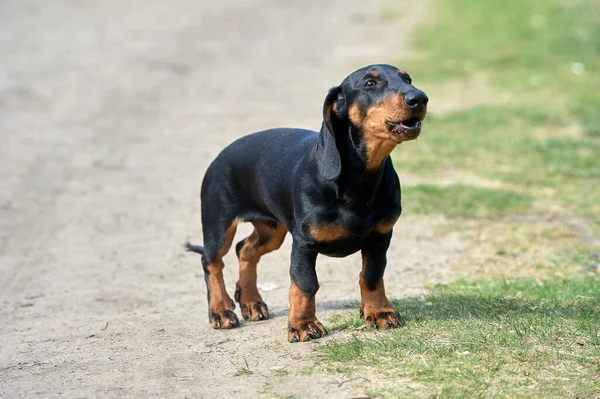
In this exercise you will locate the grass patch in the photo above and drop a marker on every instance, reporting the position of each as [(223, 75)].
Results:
[(243, 370), (542, 57), (501, 144), (511, 39), (517, 172), (280, 372), (503, 249), (464, 201), (306, 371), (339, 322), (491, 338)]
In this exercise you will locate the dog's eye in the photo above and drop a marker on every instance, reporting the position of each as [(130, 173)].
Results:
[(371, 83)]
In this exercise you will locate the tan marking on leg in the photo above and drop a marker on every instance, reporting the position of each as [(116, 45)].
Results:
[(220, 301), (302, 320), (328, 232), (263, 240), (374, 305), (302, 308)]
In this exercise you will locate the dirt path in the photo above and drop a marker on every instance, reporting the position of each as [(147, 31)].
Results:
[(110, 112)]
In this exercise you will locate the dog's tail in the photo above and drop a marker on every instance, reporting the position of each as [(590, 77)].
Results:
[(194, 248)]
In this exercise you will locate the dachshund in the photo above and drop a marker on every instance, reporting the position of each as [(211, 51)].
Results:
[(335, 191)]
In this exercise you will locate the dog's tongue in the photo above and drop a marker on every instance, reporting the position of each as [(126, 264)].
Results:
[(397, 128)]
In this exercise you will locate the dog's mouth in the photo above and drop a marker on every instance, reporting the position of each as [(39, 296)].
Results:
[(408, 129)]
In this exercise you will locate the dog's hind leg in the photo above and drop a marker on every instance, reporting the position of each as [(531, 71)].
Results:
[(218, 236), (266, 237)]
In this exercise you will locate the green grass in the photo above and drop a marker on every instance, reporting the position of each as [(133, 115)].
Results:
[(514, 165), (306, 371), (339, 322), (543, 135), (489, 338), (243, 370), (280, 372), (529, 37), (463, 200)]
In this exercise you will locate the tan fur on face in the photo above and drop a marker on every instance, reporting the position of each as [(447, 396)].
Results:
[(327, 115), (354, 115), (378, 139)]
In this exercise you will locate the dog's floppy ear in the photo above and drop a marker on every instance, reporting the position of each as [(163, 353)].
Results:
[(328, 156)]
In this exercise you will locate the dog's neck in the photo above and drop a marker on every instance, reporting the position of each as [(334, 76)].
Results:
[(358, 178)]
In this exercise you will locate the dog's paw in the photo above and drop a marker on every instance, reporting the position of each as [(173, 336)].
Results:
[(305, 330), (251, 304), (224, 319), (255, 310), (383, 319)]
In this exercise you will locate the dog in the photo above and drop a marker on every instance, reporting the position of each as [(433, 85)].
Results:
[(335, 191)]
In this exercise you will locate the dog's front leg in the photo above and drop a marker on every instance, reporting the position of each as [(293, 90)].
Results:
[(302, 321), (374, 306)]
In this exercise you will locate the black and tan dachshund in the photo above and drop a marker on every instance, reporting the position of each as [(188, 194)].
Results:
[(335, 191)]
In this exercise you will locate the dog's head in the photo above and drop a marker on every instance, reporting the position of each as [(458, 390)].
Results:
[(380, 104)]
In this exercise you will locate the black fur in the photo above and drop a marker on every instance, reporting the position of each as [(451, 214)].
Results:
[(194, 248), (300, 178)]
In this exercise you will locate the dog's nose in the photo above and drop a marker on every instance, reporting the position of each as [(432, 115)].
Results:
[(416, 98)]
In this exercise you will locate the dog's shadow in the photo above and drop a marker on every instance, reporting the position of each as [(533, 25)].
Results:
[(452, 306)]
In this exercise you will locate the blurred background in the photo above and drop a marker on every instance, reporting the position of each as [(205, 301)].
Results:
[(514, 136), (110, 112), (515, 84)]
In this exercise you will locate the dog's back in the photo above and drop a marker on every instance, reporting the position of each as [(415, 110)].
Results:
[(253, 174)]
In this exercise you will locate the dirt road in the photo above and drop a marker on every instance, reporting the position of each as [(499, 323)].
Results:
[(110, 112)]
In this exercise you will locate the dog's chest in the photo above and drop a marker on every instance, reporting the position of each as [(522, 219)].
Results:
[(342, 231)]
